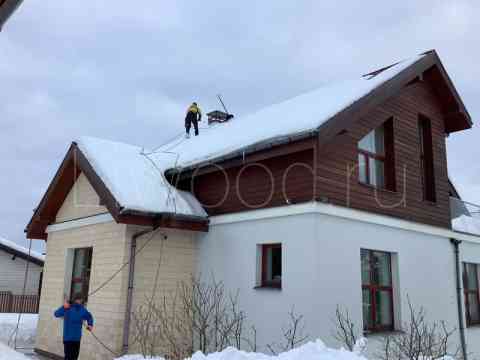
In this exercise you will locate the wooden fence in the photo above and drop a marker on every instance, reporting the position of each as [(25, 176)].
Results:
[(27, 304)]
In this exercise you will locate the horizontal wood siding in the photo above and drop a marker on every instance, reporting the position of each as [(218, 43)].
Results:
[(12, 274), (256, 185), (335, 161)]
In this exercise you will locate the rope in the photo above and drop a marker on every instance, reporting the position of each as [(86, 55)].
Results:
[(106, 282), (19, 317), (104, 345)]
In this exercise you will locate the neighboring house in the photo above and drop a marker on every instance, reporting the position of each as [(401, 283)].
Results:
[(336, 197), (7, 7), (13, 265)]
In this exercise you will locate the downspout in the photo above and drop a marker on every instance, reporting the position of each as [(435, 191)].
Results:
[(461, 323), (131, 275)]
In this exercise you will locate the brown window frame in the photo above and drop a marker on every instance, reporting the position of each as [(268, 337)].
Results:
[(265, 282), (85, 276), (467, 291), (374, 288), (387, 158), (427, 168)]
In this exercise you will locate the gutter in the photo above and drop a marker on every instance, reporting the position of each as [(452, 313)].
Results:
[(131, 275), (461, 324)]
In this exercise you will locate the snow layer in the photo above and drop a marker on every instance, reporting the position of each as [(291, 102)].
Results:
[(136, 177), (7, 353), (466, 224), (310, 351), (26, 332), (22, 249), (135, 181)]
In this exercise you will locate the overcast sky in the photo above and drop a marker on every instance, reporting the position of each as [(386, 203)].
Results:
[(126, 70)]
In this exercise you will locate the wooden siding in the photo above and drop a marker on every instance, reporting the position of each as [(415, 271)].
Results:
[(250, 184), (256, 184), (12, 273), (335, 161)]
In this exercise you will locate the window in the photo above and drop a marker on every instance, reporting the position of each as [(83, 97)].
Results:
[(82, 263), (271, 265), (472, 294), (377, 291), (376, 165), (426, 159)]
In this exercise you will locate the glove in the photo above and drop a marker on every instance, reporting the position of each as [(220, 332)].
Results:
[(66, 305), (90, 328)]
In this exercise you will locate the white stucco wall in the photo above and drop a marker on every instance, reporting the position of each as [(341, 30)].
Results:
[(321, 269)]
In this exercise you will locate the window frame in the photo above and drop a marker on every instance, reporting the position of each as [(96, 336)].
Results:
[(426, 160), (387, 158), (265, 283), (85, 278), (467, 291), (373, 288)]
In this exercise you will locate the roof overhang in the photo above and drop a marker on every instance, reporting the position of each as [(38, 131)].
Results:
[(21, 255), (71, 167), (7, 7)]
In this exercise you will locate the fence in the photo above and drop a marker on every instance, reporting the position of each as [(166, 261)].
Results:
[(27, 304)]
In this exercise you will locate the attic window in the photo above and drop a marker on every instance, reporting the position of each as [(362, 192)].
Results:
[(426, 158), (376, 165)]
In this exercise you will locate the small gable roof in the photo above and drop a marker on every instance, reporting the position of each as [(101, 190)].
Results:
[(21, 252)]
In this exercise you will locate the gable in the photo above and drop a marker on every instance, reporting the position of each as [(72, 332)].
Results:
[(82, 201), (337, 163)]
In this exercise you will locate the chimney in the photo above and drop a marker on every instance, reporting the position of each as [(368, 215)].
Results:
[(218, 116)]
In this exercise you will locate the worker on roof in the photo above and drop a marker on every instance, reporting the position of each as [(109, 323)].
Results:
[(194, 115)]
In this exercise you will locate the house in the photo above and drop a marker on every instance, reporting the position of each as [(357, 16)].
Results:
[(337, 197), (13, 266), (7, 7)]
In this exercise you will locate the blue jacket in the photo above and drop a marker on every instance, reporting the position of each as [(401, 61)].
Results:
[(73, 319)]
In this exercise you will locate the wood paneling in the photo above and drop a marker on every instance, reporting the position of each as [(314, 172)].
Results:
[(407, 202)]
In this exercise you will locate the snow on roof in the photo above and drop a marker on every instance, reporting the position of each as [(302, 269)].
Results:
[(466, 224), (299, 115), (137, 179), (21, 249)]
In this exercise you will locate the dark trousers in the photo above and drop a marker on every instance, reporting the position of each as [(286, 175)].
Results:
[(189, 120), (71, 349)]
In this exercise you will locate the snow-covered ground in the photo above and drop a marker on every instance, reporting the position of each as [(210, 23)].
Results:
[(310, 351), (26, 329), (7, 353)]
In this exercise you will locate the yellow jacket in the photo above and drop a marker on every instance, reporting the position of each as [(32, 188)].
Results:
[(194, 109)]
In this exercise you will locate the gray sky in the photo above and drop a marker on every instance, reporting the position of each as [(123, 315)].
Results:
[(126, 70)]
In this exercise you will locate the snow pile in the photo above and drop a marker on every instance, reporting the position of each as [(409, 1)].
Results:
[(310, 351), (26, 332), (22, 249), (136, 177), (9, 354), (466, 224)]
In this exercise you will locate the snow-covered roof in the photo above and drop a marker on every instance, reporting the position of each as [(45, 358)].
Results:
[(136, 182), (466, 224), (299, 115), (136, 176), (14, 246)]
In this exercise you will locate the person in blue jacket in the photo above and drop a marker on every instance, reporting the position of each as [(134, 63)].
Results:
[(73, 317)]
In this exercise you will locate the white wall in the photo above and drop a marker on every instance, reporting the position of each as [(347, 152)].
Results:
[(321, 269), (12, 274)]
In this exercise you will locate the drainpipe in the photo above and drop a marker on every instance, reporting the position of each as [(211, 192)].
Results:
[(461, 324), (131, 275)]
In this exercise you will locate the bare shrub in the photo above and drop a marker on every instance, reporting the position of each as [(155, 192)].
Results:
[(419, 339), (292, 334), (345, 332), (197, 316)]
